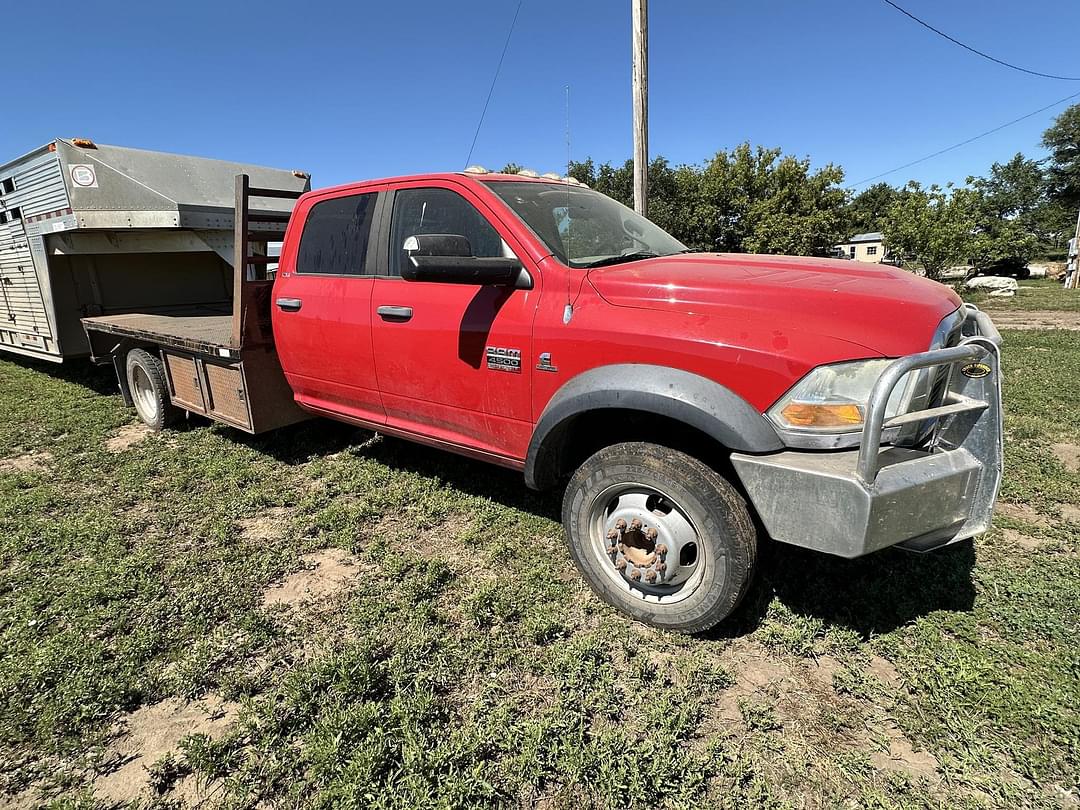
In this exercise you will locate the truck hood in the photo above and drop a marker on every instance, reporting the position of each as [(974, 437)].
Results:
[(884, 309)]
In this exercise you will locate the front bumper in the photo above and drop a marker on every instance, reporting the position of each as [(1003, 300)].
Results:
[(853, 502)]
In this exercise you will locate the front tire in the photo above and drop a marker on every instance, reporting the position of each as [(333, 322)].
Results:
[(146, 382), (660, 536)]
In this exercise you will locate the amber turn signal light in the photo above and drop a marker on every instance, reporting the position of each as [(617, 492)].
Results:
[(822, 414)]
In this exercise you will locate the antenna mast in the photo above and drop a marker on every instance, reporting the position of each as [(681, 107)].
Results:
[(640, 83)]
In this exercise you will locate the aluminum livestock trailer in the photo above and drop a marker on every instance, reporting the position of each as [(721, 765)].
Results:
[(94, 230)]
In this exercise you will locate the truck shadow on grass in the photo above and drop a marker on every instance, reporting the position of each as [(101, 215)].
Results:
[(870, 596)]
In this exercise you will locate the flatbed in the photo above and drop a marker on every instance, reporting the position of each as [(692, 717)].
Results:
[(208, 334), (221, 366)]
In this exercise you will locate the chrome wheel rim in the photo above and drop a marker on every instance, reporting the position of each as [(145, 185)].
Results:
[(142, 393), (646, 543)]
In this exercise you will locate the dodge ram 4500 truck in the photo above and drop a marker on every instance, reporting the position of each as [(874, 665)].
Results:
[(537, 324)]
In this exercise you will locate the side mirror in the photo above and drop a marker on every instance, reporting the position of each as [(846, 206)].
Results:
[(447, 258)]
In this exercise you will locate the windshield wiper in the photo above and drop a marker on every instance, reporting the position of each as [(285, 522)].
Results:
[(625, 257)]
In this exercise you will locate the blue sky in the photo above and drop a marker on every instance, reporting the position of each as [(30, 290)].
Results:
[(367, 89)]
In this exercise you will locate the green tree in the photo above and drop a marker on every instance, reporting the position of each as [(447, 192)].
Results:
[(933, 228), (748, 199), (1062, 139), (1008, 201), (868, 208)]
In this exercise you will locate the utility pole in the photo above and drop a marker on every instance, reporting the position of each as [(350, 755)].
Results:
[(640, 82), (1074, 279)]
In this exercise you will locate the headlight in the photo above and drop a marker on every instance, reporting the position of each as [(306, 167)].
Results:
[(832, 399)]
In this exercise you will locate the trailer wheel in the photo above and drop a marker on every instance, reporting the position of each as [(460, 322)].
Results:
[(146, 381), (660, 536)]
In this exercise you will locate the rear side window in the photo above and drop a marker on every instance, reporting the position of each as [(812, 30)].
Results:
[(335, 237)]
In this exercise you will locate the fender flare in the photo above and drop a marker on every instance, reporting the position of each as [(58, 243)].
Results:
[(689, 398)]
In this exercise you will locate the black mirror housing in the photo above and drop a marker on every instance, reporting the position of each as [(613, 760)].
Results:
[(447, 258), (495, 271)]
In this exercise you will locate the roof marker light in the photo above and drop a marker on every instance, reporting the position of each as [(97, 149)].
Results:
[(551, 176), (476, 170), (528, 173)]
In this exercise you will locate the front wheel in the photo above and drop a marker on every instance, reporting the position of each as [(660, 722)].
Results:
[(660, 536)]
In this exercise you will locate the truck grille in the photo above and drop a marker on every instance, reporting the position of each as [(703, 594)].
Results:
[(939, 383), (933, 383)]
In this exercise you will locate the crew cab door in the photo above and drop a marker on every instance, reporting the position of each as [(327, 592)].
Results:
[(453, 359), (322, 304)]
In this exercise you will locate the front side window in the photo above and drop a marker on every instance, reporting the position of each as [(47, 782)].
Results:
[(439, 210), (585, 228), (335, 237)]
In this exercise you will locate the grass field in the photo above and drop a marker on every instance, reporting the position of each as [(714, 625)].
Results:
[(323, 618), (1033, 294)]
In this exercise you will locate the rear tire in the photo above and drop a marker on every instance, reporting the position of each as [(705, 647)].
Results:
[(684, 555), (149, 392)]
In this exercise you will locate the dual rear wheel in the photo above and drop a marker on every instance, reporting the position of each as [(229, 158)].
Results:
[(149, 392)]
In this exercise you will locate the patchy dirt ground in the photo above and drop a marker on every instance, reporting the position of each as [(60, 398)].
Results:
[(1004, 319), (327, 573), (37, 462), (152, 732), (1022, 512), (127, 436), (1068, 454), (805, 703), (269, 524)]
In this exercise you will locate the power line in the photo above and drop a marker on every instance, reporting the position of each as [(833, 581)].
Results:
[(494, 79), (969, 140), (976, 51)]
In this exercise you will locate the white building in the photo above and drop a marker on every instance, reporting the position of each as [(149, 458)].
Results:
[(864, 247)]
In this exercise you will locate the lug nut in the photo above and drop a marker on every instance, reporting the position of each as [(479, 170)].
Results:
[(613, 534), (635, 525), (635, 574), (650, 575), (621, 565), (651, 534), (620, 524), (661, 549), (661, 567)]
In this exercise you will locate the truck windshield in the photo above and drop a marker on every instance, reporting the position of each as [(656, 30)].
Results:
[(585, 228)]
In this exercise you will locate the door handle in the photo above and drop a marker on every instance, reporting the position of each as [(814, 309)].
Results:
[(388, 313), (289, 304)]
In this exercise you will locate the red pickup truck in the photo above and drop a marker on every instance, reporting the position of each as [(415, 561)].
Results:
[(680, 398)]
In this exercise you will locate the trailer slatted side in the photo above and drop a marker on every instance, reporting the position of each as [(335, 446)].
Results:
[(23, 308), (39, 187)]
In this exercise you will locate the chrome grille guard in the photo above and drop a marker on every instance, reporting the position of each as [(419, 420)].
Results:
[(974, 394)]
